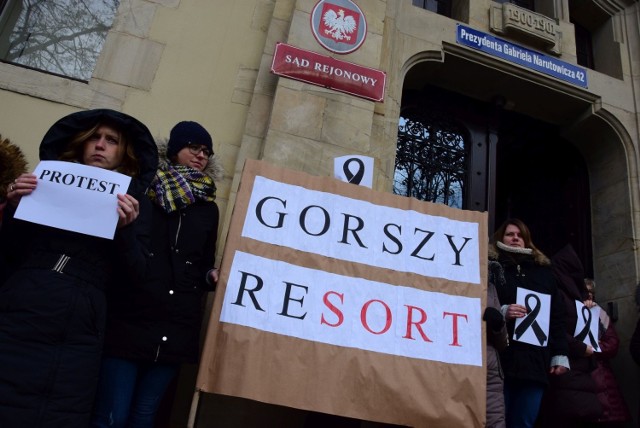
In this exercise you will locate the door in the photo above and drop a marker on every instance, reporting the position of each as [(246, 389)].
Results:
[(514, 166)]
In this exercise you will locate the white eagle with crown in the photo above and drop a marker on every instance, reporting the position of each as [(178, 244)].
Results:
[(339, 26)]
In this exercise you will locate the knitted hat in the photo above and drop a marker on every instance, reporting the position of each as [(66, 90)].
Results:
[(185, 133)]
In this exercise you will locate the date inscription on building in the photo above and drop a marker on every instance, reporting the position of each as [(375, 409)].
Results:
[(527, 26)]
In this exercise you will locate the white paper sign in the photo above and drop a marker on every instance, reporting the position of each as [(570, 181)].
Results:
[(534, 327), (359, 231), (74, 197), (290, 300), (587, 325), (354, 169)]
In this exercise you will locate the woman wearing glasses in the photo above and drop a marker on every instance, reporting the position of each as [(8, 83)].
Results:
[(153, 326)]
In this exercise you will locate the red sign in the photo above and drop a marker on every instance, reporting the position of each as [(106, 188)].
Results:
[(321, 70)]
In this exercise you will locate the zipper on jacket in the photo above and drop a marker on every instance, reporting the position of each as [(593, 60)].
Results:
[(175, 243), (519, 272), (155, 360)]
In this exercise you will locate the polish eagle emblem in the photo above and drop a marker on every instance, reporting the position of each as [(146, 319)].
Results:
[(339, 26)]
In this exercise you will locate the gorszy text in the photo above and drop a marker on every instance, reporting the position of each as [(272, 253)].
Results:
[(358, 231), (351, 229)]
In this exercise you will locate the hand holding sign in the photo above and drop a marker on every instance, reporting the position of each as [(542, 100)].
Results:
[(534, 327), (78, 198), (587, 325), (128, 210), (21, 186)]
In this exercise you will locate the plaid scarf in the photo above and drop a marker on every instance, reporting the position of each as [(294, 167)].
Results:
[(177, 186)]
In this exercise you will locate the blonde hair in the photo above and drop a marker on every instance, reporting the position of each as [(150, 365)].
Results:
[(75, 149)]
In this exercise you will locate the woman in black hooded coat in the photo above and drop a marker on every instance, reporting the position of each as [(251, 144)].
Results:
[(52, 305), (571, 398), (153, 325)]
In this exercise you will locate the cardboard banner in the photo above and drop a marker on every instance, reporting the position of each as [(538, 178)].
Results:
[(343, 300)]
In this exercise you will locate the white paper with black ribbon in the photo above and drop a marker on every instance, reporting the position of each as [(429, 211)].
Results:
[(587, 325), (354, 169), (534, 327)]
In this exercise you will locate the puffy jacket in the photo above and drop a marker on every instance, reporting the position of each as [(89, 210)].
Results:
[(52, 306)]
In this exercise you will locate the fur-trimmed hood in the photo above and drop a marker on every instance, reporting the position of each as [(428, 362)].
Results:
[(540, 259), (213, 169), (12, 164), (57, 138)]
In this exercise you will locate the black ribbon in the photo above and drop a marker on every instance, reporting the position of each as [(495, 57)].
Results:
[(586, 316), (357, 177), (530, 320)]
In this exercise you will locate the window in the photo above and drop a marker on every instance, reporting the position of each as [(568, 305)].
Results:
[(431, 158), (441, 7), (599, 42), (584, 48), (62, 37)]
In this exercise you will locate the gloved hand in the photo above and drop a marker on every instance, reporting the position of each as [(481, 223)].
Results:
[(494, 318)]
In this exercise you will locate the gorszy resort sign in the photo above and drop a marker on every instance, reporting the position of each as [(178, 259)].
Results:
[(522, 56), (339, 299), (340, 27)]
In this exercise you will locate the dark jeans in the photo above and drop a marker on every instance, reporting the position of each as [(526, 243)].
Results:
[(129, 392), (522, 402)]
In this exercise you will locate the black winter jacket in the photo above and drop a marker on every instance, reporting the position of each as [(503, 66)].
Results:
[(571, 397), (522, 360), (52, 314), (159, 318)]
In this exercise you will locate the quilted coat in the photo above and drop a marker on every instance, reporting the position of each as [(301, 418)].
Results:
[(52, 305)]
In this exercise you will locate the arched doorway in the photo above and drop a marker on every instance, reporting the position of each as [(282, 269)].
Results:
[(516, 166)]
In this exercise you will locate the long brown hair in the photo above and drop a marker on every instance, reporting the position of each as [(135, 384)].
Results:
[(538, 255), (75, 149)]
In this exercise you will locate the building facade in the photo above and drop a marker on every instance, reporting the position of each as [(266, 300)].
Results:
[(540, 97)]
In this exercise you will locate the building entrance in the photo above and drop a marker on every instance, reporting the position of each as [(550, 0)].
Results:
[(515, 166)]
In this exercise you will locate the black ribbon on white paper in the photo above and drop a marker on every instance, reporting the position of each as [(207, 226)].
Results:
[(530, 320), (586, 316), (358, 176)]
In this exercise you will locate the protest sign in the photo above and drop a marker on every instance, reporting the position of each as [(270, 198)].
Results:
[(343, 300), (534, 327), (74, 197), (587, 325), (354, 169)]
